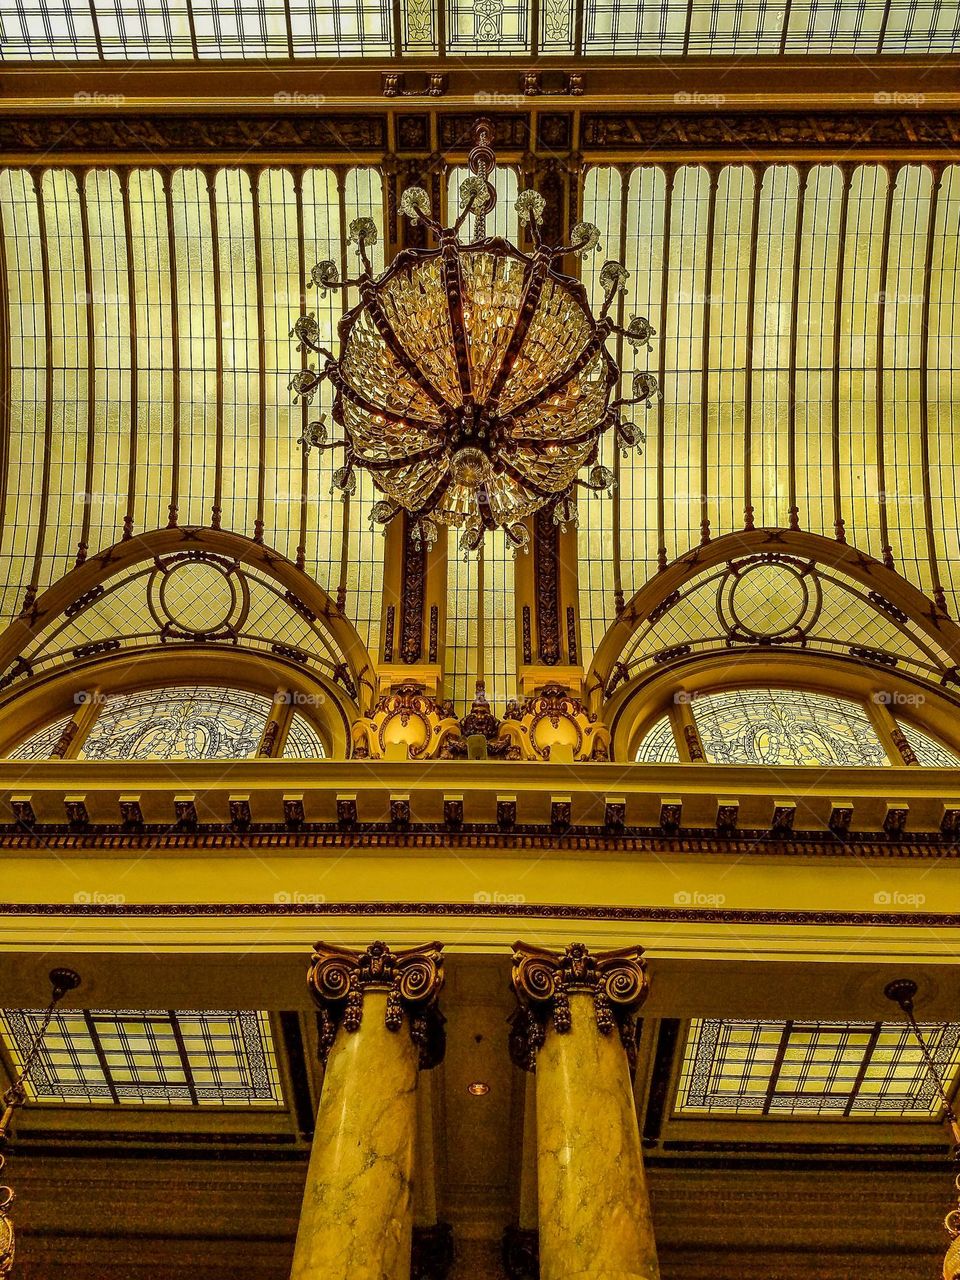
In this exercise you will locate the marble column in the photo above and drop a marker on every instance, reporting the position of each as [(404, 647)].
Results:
[(379, 1025), (575, 1027)]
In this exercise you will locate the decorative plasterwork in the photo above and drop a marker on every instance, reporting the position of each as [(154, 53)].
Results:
[(554, 718), (406, 722)]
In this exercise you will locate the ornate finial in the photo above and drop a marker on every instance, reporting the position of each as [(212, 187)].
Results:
[(412, 978), (543, 980)]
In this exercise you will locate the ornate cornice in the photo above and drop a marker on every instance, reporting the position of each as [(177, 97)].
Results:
[(504, 910), (558, 134), (544, 980), (339, 978)]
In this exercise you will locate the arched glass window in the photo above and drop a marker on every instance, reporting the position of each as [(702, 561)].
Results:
[(785, 727), (190, 722), (767, 726), (180, 722)]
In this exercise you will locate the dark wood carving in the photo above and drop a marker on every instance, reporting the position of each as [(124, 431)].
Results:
[(546, 569)]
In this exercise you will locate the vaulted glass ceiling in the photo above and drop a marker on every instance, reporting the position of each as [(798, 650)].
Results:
[(808, 316), (106, 30)]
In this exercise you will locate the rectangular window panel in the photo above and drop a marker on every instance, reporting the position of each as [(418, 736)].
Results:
[(487, 26), (154, 1057), (814, 1069)]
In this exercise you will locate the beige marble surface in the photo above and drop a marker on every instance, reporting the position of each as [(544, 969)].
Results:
[(594, 1209), (357, 1214)]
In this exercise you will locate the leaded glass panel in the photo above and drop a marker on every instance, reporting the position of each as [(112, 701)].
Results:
[(785, 727), (39, 745), (928, 750), (659, 746), (303, 742), (148, 1057), (808, 1069), (182, 723)]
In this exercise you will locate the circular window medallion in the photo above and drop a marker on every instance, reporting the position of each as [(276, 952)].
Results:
[(769, 599), (196, 596)]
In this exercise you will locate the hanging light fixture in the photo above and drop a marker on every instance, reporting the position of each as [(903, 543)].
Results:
[(902, 992), (62, 981), (473, 381)]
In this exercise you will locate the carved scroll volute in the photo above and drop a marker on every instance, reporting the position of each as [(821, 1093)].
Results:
[(543, 981), (412, 978)]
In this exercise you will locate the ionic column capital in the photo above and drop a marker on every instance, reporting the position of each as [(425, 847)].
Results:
[(543, 981), (413, 978)]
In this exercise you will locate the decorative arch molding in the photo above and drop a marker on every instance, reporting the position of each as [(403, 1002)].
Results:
[(233, 598), (638, 705), (886, 593)]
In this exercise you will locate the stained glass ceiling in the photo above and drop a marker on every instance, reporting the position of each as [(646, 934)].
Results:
[(197, 30), (809, 319)]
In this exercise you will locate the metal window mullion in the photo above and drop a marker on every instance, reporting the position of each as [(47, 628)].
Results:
[(777, 1066), (96, 28), (846, 174), (254, 176), (938, 591), (288, 24), (192, 27), (6, 374), (884, 23), (128, 519), (713, 172), (785, 29), (748, 522), (184, 1056), (215, 514), (44, 496), (80, 176), (670, 176), (793, 510), (101, 1055), (304, 407), (863, 1068), (885, 545), (167, 181)]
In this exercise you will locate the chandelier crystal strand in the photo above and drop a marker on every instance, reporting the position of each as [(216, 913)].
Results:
[(473, 382), (902, 992), (62, 981)]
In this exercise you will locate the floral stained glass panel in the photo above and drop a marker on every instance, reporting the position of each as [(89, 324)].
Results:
[(659, 746), (785, 727), (196, 722), (39, 745)]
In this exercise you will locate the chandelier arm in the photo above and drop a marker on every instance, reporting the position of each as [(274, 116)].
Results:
[(425, 508), (557, 384), (453, 288), (519, 476), (536, 276), (396, 348), (361, 402), (593, 433), (392, 463)]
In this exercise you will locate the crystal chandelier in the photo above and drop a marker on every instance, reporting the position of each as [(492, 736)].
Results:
[(473, 380)]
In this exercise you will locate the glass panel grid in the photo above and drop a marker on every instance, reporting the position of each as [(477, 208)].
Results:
[(218, 1058), (813, 1069), (659, 745), (927, 749), (303, 742)]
